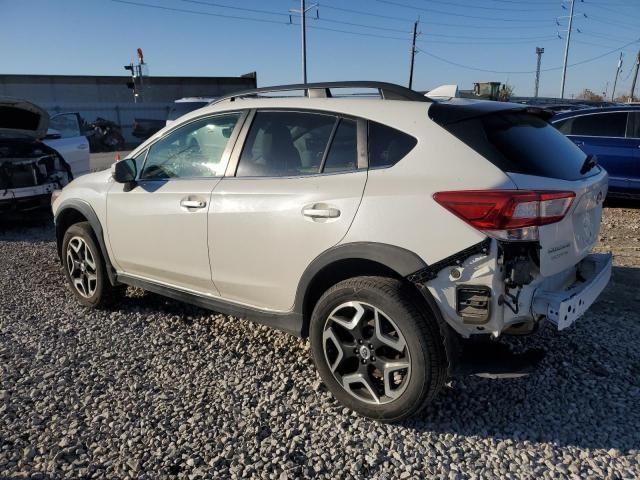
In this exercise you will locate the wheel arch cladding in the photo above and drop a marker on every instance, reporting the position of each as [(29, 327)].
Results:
[(347, 261), (75, 211)]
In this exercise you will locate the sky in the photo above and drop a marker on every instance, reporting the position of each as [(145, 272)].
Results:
[(459, 41)]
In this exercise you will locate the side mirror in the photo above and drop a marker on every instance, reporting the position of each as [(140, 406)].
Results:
[(125, 171)]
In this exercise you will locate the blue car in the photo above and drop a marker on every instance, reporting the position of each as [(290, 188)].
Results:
[(612, 134)]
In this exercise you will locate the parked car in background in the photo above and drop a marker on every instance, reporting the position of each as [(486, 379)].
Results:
[(402, 235), (38, 154), (182, 106), (612, 134)]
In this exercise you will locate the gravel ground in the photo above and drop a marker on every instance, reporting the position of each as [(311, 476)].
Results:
[(158, 389)]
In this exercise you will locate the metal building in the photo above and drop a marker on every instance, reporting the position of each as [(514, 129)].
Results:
[(109, 97)]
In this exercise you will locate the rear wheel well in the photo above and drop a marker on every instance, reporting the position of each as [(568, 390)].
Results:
[(337, 272)]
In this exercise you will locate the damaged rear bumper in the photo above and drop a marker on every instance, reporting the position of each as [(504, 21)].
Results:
[(564, 307)]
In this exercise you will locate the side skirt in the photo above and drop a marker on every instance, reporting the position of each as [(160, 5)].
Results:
[(289, 322)]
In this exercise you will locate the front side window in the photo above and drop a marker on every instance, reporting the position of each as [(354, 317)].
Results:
[(596, 125), (387, 146), (192, 151), (281, 144)]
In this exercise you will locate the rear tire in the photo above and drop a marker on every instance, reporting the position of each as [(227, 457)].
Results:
[(377, 350), (85, 268)]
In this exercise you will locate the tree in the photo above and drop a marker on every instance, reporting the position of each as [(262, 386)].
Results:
[(506, 92), (588, 95)]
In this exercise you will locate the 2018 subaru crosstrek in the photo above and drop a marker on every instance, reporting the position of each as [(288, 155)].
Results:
[(403, 236)]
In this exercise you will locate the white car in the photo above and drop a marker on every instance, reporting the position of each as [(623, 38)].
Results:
[(402, 235), (38, 154)]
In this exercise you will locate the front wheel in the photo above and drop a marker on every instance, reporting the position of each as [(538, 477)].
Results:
[(377, 351), (84, 266)]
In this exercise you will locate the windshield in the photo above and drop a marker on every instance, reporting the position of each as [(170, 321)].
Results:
[(519, 142), (182, 108)]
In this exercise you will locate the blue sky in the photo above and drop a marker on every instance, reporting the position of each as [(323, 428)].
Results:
[(100, 36)]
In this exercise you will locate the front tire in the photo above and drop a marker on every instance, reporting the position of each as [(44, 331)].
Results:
[(84, 267), (376, 349)]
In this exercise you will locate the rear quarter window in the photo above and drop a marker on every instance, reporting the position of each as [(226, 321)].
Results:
[(519, 142), (387, 146)]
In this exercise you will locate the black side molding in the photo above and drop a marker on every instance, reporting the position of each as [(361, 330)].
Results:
[(289, 322)]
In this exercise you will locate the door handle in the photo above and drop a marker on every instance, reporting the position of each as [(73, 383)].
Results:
[(82, 146), (320, 212), (579, 143), (193, 203)]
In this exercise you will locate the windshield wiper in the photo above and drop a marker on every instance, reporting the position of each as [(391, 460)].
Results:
[(589, 162)]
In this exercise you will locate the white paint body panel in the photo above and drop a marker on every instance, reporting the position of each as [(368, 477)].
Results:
[(152, 236), (261, 242)]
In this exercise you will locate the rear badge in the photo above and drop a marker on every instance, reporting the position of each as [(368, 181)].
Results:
[(557, 252)]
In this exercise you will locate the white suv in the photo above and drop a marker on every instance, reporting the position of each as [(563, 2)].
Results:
[(402, 235)]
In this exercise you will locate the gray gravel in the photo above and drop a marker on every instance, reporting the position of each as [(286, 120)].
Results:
[(158, 389)]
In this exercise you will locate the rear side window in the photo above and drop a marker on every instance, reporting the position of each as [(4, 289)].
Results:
[(343, 153), (612, 124), (519, 142), (387, 146), (633, 129)]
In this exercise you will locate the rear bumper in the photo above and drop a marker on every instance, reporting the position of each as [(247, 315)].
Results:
[(564, 307)]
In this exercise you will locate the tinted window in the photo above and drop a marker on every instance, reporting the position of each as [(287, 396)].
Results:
[(194, 150), (285, 144), (633, 129), (387, 146), (182, 108), (597, 125), (522, 143), (343, 153)]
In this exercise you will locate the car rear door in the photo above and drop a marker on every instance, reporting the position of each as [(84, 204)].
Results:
[(290, 193), (604, 135), (157, 228), (71, 144)]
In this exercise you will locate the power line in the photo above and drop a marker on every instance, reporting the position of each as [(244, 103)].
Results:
[(453, 14), (481, 7), (444, 60)]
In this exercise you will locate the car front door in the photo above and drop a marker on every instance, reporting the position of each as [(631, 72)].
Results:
[(291, 192), (157, 230), (65, 136), (604, 135)]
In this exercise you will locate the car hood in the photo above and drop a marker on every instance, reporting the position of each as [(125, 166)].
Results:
[(22, 119)]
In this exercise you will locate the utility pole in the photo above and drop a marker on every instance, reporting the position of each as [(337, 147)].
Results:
[(635, 76), (539, 52), (615, 82), (566, 49), (413, 52), (303, 25)]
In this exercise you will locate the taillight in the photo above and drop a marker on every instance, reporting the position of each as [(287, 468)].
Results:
[(507, 214)]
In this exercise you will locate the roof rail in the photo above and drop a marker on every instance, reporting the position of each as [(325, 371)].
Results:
[(387, 91)]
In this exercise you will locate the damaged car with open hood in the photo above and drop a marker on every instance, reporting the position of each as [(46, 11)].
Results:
[(38, 153)]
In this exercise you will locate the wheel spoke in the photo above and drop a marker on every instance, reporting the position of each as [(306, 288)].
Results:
[(348, 323), (79, 284), (397, 344), (362, 380), (89, 258), (329, 335), (388, 368)]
